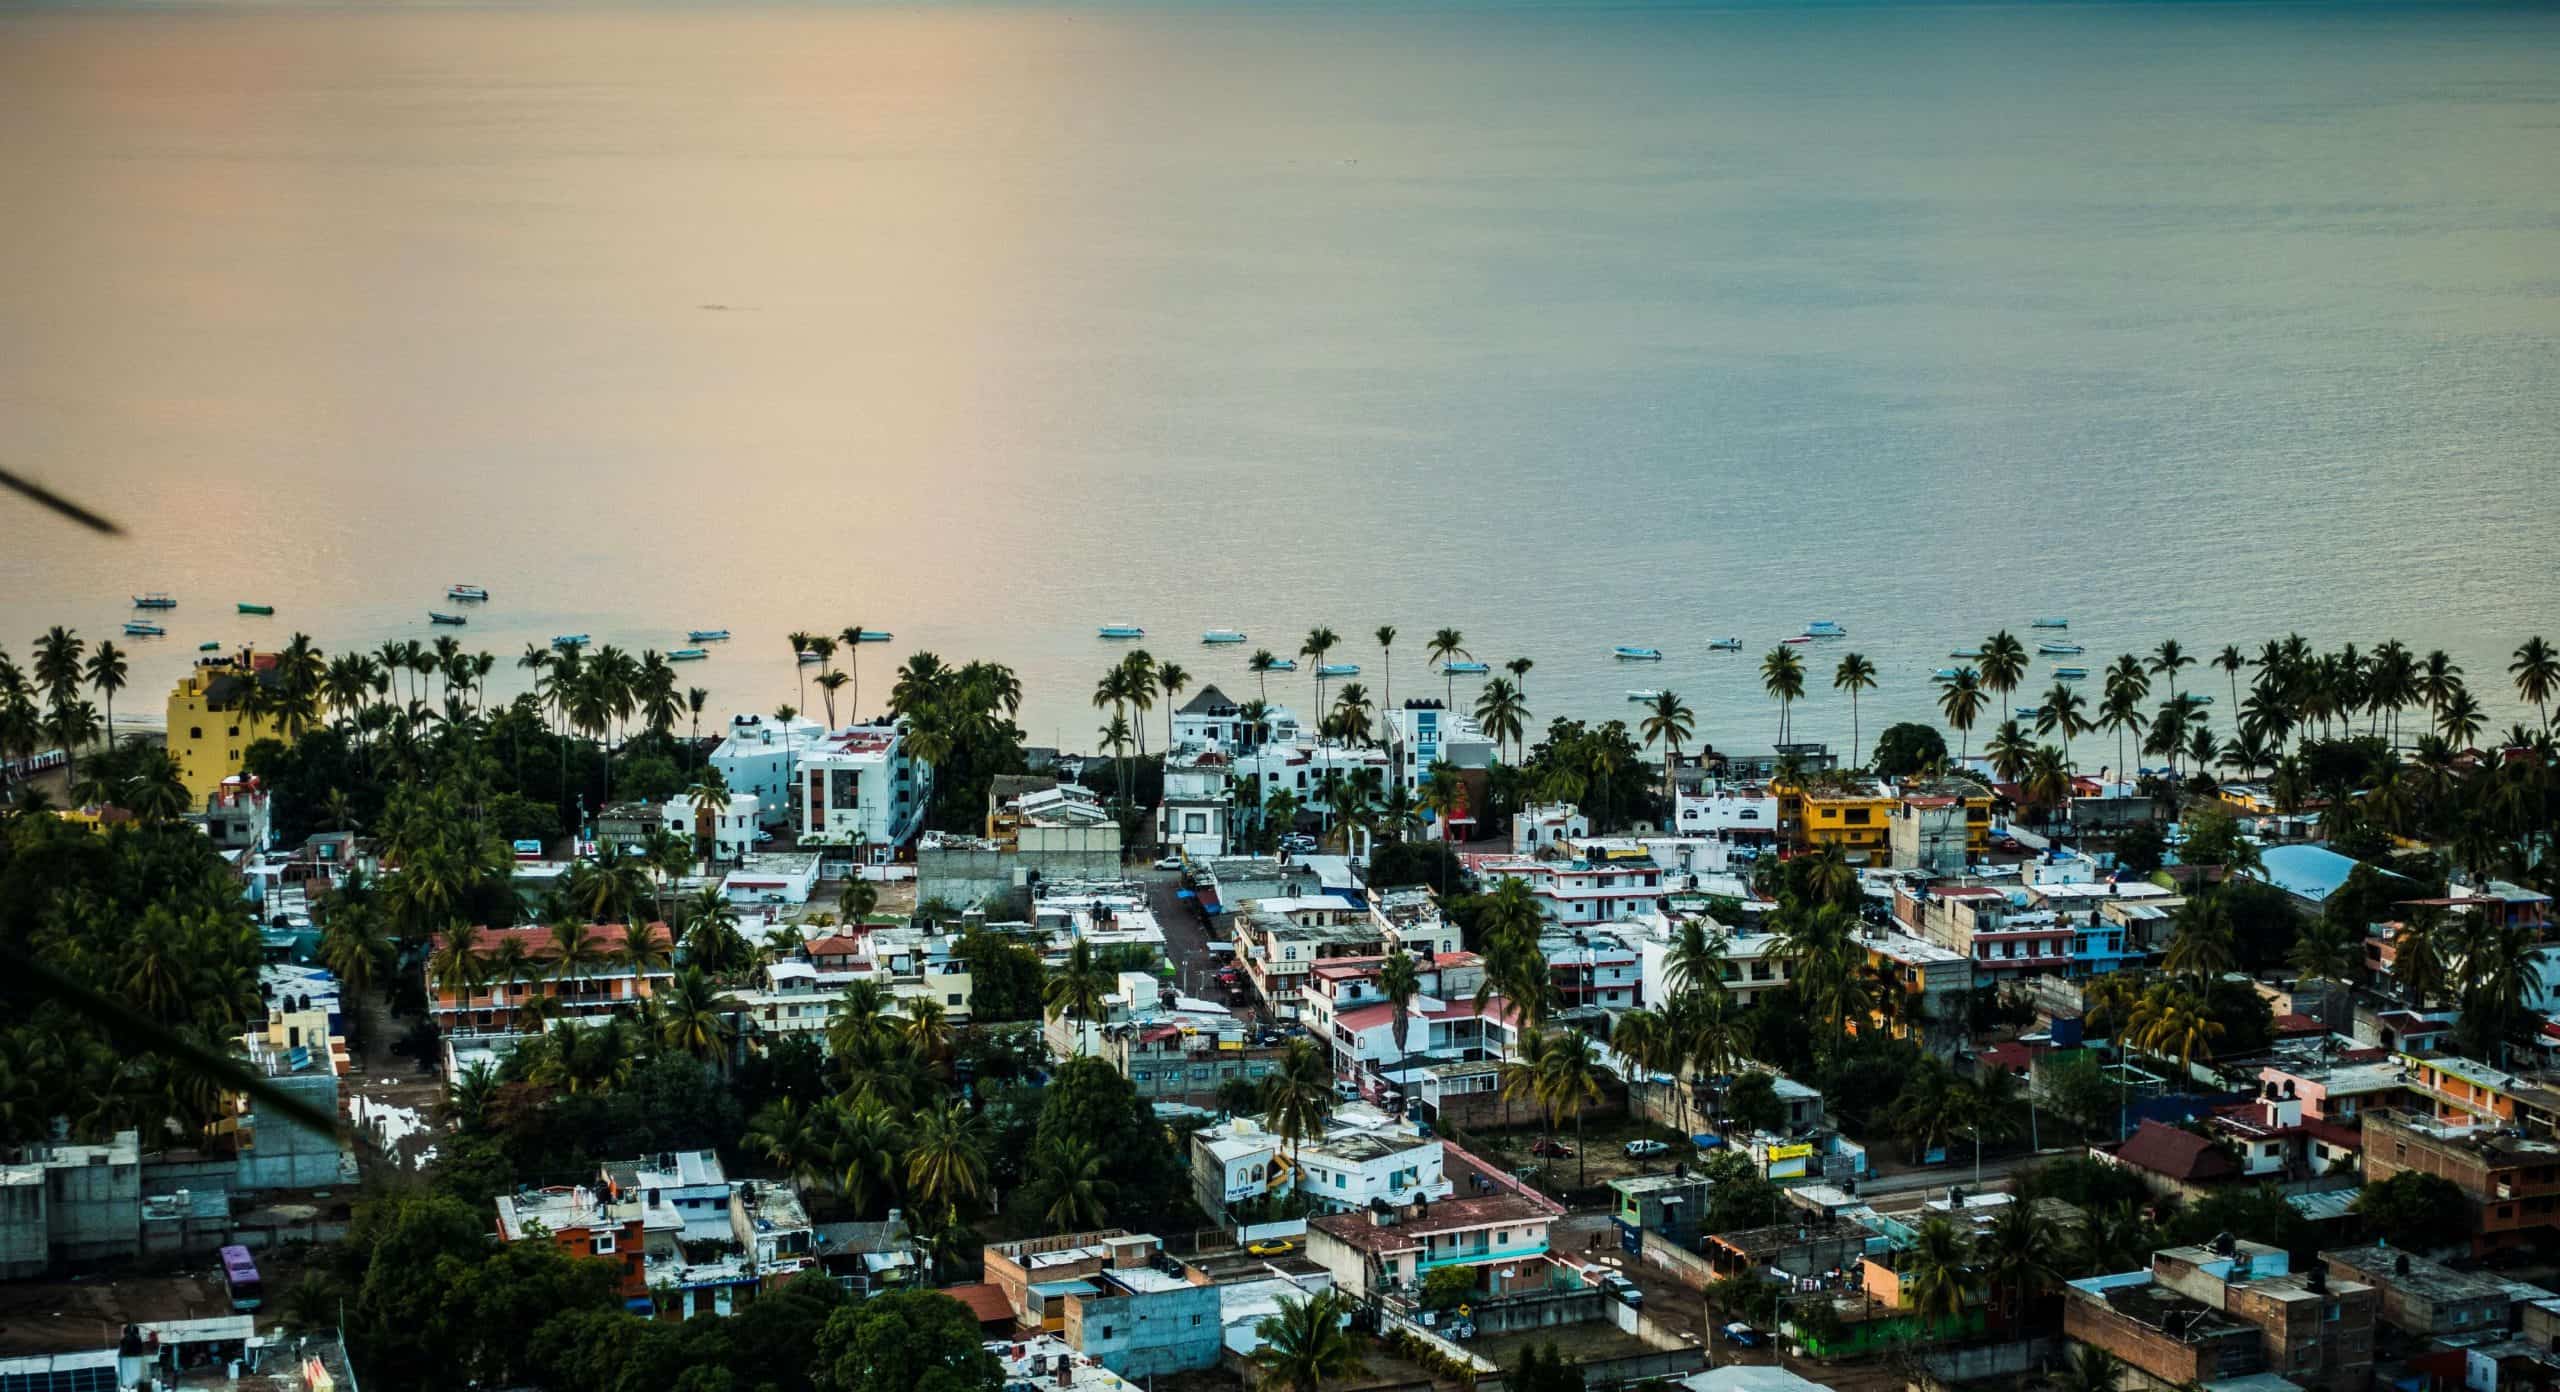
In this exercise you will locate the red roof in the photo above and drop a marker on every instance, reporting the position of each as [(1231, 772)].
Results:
[(537, 938), (836, 945), (2183, 1155), (986, 1302), (1449, 1215), (2293, 1024)]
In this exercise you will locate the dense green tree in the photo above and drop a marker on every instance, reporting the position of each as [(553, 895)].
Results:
[(906, 1341), (2416, 1210), (1906, 748)]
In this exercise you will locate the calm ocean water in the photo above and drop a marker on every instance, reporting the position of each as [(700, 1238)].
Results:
[(1566, 325)]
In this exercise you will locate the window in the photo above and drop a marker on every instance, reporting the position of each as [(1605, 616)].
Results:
[(195, 732), (1106, 1331), (952, 998), (604, 1244)]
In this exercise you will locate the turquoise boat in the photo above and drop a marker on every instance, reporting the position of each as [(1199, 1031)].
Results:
[(257, 608), (1122, 630), (1467, 669), (708, 635), (1332, 670), (208, 647), (454, 619), (874, 635), (136, 628), (688, 654)]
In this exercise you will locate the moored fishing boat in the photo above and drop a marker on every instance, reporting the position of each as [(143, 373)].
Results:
[(2048, 623), (137, 628), (157, 599), (2060, 649), (1339, 669), (1824, 628), (1284, 664), (1643, 693), (688, 655), (454, 619), (1121, 630), (1625, 653), (1798, 639), (1223, 635), (569, 640), (465, 592), (872, 635), (2027, 712), (1724, 645), (247, 608), (807, 656), (1943, 674), (2070, 673), (1466, 669), (209, 646), (1967, 654), (707, 635)]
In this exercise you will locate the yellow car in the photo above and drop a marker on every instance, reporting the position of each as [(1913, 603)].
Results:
[(1277, 1247)]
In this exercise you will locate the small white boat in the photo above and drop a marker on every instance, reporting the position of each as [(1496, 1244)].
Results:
[(1824, 628), (707, 635), (2048, 623), (873, 635), (157, 599), (807, 656), (2070, 673), (1944, 674), (570, 640), (136, 628), (1627, 654), (465, 592), (2027, 712), (2196, 698), (1122, 630), (1338, 669), (2060, 649), (1967, 654), (1223, 635), (1643, 693), (688, 655), (1724, 645), (1466, 669), (454, 620)]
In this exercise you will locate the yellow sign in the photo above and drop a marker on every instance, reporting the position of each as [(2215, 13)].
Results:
[(1790, 1152)]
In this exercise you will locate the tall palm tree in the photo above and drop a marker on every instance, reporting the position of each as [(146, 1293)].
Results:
[(1569, 1075), (2231, 660), (1519, 667), (947, 1157), (1386, 636), (2061, 713), (1305, 1345), (1399, 980), (1172, 681), (851, 637), (1669, 722), (1854, 674), (2172, 1022), (1261, 664), (106, 672), (2200, 942), (1351, 712), (2010, 750), (801, 641), (1782, 676), (2004, 663), (1501, 713), (2437, 679), (1319, 641), (1075, 1177), (829, 683), (2460, 719), (690, 1018), (1080, 990), (57, 664), (1446, 645), (1297, 1097), (2021, 1255), (2167, 661), (2089, 1369), (1960, 700), (2536, 671), (2419, 957)]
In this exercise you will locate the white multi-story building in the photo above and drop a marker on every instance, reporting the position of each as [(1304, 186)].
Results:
[(1196, 815), (1363, 1155), (860, 787), (1422, 733), (1751, 961), (1301, 765), (1599, 880), (732, 828), (759, 757), (1744, 814), (1595, 966), (1213, 720), (1543, 824)]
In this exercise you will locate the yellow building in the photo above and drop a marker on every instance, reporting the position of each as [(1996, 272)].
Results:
[(1854, 814), (207, 733)]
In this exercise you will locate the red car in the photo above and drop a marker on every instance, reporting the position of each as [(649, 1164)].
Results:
[(1550, 1148)]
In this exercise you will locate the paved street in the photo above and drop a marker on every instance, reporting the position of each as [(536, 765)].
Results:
[(1186, 938)]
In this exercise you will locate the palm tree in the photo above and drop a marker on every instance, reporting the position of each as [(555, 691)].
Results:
[(690, 1018), (2010, 751), (1386, 636), (2173, 1022), (802, 641), (1960, 700), (1501, 713), (1305, 1345), (1399, 980), (1519, 667), (863, 1155), (2200, 942), (1782, 676), (2167, 661), (1854, 674), (2460, 719), (1446, 645), (2231, 660), (1297, 1097), (858, 899), (1937, 1272), (1261, 665), (947, 1157), (1073, 1176), (2089, 1369), (2419, 957), (2061, 712), (2004, 663), (106, 673), (1172, 681), (1351, 708), (1669, 723), (830, 682), (789, 1138), (2536, 670), (851, 637), (1569, 1075), (2324, 952), (1080, 990), (2021, 1255)]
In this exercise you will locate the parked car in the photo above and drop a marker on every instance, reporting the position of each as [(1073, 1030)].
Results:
[(1461, 1329), (1744, 1336), (1172, 862), (1628, 1292), (1551, 1148), (1272, 1247), (1640, 1150), (2007, 842)]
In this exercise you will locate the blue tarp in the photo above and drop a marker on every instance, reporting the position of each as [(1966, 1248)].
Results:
[(1705, 1142)]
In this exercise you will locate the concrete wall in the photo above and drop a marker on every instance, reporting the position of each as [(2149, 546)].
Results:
[(25, 1244), (94, 1211), (1685, 1266), (1543, 1311), (1139, 1336), (965, 875), (287, 1153)]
